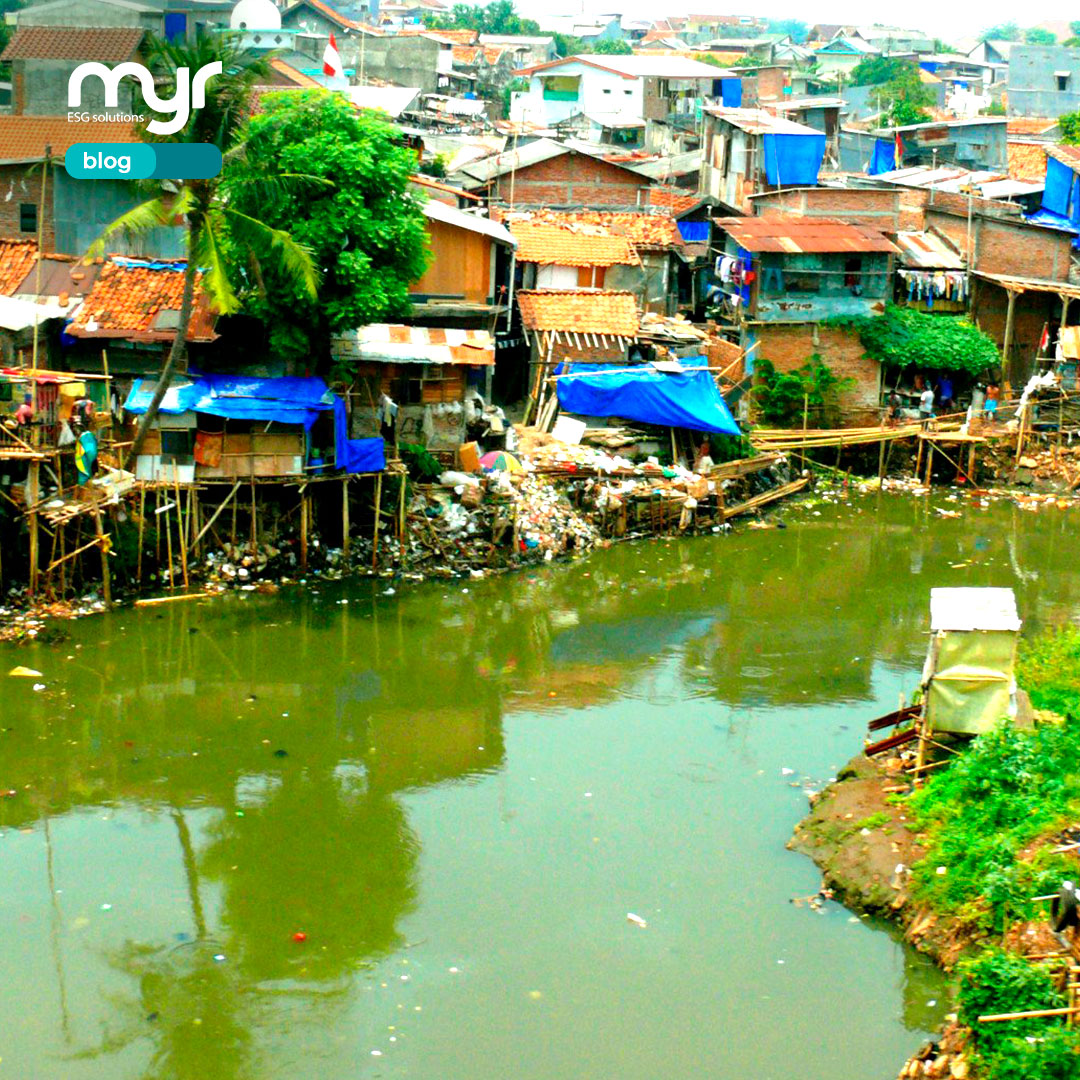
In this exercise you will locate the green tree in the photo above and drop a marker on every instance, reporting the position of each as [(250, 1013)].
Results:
[(1070, 128), (1002, 32), (1036, 35), (498, 17), (901, 94), (568, 45), (795, 29), (784, 396), (211, 220), (877, 70), (365, 230), (613, 47)]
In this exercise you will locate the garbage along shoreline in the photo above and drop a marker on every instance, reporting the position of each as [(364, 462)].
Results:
[(565, 502)]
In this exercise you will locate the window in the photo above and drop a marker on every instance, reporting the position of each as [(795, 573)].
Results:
[(177, 446), (561, 87), (1063, 78), (27, 217), (606, 90)]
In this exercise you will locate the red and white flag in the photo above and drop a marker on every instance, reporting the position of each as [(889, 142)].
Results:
[(1044, 341), (331, 60)]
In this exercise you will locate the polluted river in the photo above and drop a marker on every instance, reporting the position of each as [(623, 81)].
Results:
[(385, 829)]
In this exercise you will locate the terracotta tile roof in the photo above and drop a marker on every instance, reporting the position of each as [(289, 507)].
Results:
[(461, 37), (1030, 125), (570, 245), (24, 138), (642, 230), (294, 75), (674, 200), (466, 54), (129, 296), (1067, 155), (336, 17), (588, 311), (1027, 161), (109, 45), (17, 258)]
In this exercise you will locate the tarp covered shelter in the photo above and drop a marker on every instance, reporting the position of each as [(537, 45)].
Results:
[(793, 159), (286, 400), (683, 399), (969, 678)]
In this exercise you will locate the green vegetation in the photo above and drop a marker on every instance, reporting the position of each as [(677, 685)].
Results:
[(782, 396), (1036, 35), (356, 216), (498, 17), (1070, 128), (1002, 32), (878, 70), (906, 338), (901, 93), (1033, 1049), (996, 108), (617, 47)]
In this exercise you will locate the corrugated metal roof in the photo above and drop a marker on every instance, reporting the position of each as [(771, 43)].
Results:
[(760, 122), (793, 235), (927, 251), (450, 215), (392, 343)]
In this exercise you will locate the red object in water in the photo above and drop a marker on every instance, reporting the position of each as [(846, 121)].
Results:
[(299, 936)]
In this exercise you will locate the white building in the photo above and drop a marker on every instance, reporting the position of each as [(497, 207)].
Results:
[(618, 88)]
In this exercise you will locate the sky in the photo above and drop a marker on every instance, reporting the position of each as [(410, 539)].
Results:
[(945, 21)]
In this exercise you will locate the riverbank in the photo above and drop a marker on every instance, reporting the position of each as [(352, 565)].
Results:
[(957, 865)]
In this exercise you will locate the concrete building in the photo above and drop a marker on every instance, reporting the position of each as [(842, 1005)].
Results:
[(659, 88), (168, 19), (527, 51), (312, 22), (743, 156), (981, 143), (1044, 80), (843, 53)]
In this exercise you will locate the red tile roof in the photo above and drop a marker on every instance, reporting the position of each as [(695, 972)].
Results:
[(792, 235), (642, 230), (24, 138), (568, 245), (109, 45), (1029, 125), (673, 199), (1027, 161), (130, 294), (586, 311), (1067, 155), (336, 17), (17, 258)]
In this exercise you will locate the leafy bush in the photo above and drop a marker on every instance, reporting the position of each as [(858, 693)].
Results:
[(996, 981), (904, 337), (1049, 670), (782, 396), (1070, 128), (1053, 1055)]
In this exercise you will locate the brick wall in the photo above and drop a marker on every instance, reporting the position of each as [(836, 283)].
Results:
[(23, 182), (788, 347), (878, 208), (574, 180), (990, 304)]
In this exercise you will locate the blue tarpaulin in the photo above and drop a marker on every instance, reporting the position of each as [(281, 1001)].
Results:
[(288, 400), (731, 93), (694, 232), (793, 159), (1059, 184), (685, 400), (883, 159)]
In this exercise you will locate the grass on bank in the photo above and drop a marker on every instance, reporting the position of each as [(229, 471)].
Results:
[(981, 819)]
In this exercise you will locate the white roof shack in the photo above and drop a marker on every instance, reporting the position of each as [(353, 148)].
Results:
[(973, 609), (450, 215), (636, 67), (392, 343)]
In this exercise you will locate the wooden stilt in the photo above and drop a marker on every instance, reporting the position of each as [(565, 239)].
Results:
[(401, 507), (168, 537), (378, 515), (254, 520), (33, 496), (929, 459), (303, 527), (62, 530), (971, 464), (346, 540), (918, 461), (157, 525), (103, 547), (217, 513), (142, 530), (881, 460), (180, 531)]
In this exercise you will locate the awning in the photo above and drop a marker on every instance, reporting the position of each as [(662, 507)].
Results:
[(388, 343), (686, 399)]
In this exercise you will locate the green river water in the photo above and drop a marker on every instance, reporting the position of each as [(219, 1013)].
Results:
[(457, 792)]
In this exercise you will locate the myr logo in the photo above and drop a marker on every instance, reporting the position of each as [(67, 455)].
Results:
[(189, 92)]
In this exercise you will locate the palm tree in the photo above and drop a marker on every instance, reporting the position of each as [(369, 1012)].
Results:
[(211, 224)]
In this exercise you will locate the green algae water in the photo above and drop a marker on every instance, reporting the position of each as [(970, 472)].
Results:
[(387, 830)]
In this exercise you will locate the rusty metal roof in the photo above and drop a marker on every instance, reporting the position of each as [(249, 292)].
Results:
[(927, 251), (793, 235), (1067, 155)]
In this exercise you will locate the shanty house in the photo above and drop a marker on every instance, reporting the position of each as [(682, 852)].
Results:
[(561, 254), (578, 324), (843, 53), (747, 151), (425, 372), (468, 278), (932, 273), (780, 278), (1044, 80), (981, 143)]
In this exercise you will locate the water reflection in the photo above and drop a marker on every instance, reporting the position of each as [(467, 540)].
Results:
[(242, 772)]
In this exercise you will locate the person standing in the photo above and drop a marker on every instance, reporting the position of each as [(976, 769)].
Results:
[(926, 406)]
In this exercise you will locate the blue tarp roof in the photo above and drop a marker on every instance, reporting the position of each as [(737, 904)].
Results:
[(793, 158), (689, 399), (287, 400)]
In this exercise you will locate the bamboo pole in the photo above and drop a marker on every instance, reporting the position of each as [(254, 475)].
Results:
[(142, 529), (180, 527), (34, 493), (217, 513), (378, 514), (997, 1018), (401, 507), (103, 545), (168, 538), (303, 527), (254, 518), (346, 540)]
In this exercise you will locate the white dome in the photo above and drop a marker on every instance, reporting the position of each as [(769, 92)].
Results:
[(255, 15)]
